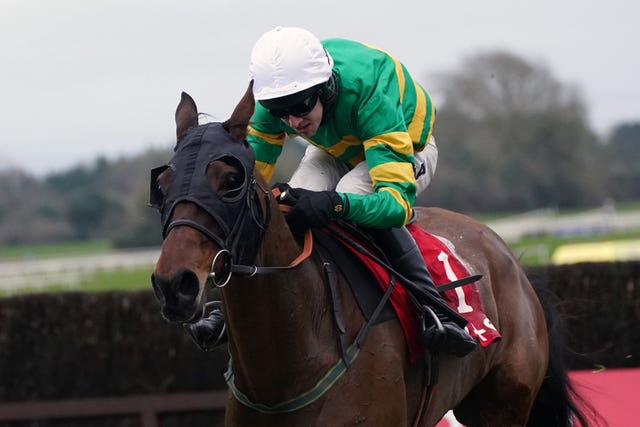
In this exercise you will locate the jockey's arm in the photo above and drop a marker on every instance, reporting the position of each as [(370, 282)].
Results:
[(389, 158)]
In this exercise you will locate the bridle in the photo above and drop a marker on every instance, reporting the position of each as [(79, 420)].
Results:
[(225, 255), (229, 243), (241, 214)]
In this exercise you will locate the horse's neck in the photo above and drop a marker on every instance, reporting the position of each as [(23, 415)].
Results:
[(278, 323)]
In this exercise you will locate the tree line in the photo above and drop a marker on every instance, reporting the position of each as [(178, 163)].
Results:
[(511, 137)]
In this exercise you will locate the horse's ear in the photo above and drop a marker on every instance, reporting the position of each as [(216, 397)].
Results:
[(237, 124), (186, 115)]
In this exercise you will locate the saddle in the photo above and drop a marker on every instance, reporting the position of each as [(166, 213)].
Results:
[(360, 276), (362, 270)]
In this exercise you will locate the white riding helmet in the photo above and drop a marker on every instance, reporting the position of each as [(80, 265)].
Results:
[(287, 60)]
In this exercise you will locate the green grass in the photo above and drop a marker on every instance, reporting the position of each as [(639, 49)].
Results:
[(100, 281), (538, 250), (48, 250), (530, 251), (489, 217)]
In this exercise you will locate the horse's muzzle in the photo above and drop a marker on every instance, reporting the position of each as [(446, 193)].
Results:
[(178, 296)]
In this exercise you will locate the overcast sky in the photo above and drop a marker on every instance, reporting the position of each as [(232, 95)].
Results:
[(79, 79)]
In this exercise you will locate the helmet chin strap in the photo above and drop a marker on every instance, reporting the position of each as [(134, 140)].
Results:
[(329, 95)]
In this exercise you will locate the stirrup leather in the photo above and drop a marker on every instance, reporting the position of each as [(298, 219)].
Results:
[(434, 335)]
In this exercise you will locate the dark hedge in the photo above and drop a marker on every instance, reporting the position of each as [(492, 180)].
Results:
[(72, 345), (600, 306), (69, 345)]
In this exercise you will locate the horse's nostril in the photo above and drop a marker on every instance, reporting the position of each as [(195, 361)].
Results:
[(183, 285), (182, 288), (187, 284), (178, 295)]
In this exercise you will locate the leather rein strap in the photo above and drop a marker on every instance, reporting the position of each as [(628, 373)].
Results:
[(251, 270)]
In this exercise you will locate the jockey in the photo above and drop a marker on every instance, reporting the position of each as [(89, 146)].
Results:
[(371, 149)]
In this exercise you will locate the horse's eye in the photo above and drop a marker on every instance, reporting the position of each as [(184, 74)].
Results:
[(232, 181), (226, 177), (231, 185)]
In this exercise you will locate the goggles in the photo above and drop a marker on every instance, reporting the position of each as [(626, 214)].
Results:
[(298, 105)]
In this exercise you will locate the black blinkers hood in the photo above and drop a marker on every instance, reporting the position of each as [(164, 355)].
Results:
[(193, 153)]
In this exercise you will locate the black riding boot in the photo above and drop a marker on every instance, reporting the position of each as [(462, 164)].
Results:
[(210, 331), (406, 258)]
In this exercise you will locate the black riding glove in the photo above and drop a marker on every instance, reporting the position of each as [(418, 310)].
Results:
[(310, 208)]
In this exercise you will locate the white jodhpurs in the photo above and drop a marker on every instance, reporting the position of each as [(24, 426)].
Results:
[(319, 171)]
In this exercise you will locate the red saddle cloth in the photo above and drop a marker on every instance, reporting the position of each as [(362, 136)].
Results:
[(444, 267)]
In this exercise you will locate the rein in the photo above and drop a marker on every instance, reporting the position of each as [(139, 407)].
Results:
[(226, 256), (251, 270)]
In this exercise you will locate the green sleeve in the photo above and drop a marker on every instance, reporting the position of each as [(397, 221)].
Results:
[(266, 136)]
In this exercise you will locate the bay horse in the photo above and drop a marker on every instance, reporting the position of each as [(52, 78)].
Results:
[(282, 335)]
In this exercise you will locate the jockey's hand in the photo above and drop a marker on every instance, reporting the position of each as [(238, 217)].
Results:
[(283, 196), (311, 208)]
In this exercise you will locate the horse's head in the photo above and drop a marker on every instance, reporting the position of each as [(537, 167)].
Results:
[(212, 212)]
